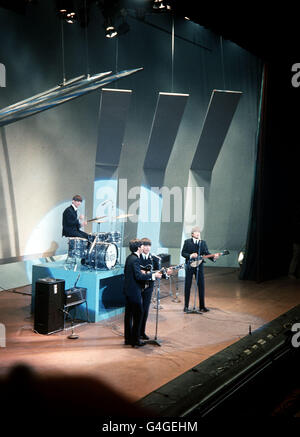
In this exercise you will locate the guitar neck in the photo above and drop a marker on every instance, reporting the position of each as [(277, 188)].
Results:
[(208, 256)]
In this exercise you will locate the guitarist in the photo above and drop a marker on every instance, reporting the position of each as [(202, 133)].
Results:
[(192, 248), (134, 279)]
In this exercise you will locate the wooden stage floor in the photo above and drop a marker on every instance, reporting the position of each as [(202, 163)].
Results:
[(186, 339)]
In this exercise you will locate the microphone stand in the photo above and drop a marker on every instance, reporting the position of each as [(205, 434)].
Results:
[(194, 310), (72, 336), (155, 340)]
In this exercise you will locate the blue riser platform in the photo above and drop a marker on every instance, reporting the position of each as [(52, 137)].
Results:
[(105, 296)]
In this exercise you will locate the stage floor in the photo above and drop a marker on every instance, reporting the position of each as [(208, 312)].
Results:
[(186, 339)]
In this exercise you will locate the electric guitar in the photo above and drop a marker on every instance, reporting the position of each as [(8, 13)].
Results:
[(148, 268), (195, 262)]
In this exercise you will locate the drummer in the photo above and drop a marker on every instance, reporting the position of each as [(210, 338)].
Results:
[(71, 223)]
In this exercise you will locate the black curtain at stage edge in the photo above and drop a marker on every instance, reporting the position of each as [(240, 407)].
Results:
[(276, 188)]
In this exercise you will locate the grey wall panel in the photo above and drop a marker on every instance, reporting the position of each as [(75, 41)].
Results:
[(114, 105), (218, 117), (106, 172), (167, 117)]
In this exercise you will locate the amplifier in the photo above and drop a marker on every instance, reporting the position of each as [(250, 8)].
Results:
[(165, 259), (74, 294), (49, 304)]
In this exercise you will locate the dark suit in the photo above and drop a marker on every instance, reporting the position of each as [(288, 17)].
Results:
[(133, 283), (71, 224), (190, 247), (147, 288)]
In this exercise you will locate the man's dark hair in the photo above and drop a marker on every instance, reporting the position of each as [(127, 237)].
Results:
[(134, 244), (146, 241)]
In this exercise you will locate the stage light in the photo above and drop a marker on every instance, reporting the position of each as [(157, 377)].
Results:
[(70, 17), (158, 5), (110, 32), (66, 10), (241, 257)]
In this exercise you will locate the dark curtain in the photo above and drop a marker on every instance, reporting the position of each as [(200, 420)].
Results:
[(276, 187)]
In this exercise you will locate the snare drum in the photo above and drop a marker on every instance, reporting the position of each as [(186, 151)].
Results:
[(103, 256), (77, 247), (113, 237)]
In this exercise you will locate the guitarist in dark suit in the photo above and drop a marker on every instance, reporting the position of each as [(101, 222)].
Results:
[(192, 248), (71, 223), (133, 283)]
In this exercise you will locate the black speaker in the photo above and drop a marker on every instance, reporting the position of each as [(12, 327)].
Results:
[(49, 303)]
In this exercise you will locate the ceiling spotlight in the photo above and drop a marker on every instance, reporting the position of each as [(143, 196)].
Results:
[(110, 31), (65, 9), (158, 5), (70, 17)]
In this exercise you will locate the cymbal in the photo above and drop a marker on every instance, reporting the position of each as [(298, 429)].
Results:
[(123, 216), (97, 218)]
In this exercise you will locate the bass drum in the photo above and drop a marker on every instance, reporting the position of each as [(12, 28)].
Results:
[(104, 256)]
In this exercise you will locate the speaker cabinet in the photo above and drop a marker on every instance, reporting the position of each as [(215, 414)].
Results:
[(49, 303)]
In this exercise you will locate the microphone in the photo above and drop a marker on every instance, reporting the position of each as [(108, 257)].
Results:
[(105, 202)]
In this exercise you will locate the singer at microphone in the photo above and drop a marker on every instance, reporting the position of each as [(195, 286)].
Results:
[(193, 248)]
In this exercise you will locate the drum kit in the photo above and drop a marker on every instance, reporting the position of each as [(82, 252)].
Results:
[(102, 253)]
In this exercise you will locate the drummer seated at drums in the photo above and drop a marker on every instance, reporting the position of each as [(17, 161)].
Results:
[(71, 223)]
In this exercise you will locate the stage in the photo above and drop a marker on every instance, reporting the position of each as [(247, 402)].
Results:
[(186, 339)]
